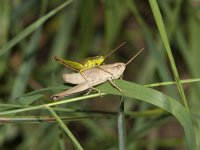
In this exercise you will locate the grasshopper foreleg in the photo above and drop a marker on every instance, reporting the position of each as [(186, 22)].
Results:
[(114, 85), (88, 91)]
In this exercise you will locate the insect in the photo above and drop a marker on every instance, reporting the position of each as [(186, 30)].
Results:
[(94, 77), (86, 63)]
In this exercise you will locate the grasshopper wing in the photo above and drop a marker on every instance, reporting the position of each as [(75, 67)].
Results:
[(73, 78)]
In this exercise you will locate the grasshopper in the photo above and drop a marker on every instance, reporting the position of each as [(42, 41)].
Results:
[(86, 63), (95, 77)]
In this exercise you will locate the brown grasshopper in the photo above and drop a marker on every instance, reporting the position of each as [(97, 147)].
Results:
[(95, 76)]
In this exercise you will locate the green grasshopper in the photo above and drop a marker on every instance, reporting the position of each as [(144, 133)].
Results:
[(94, 77), (86, 63)]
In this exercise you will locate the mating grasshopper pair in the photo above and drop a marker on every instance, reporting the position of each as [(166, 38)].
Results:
[(91, 73)]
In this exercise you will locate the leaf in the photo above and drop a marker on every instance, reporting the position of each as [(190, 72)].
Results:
[(158, 99)]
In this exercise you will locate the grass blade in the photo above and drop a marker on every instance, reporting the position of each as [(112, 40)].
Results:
[(161, 27), (121, 126), (173, 82), (66, 129)]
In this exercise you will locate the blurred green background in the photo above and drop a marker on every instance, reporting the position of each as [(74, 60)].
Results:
[(84, 28)]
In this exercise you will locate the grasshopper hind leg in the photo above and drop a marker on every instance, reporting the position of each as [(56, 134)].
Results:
[(95, 89)]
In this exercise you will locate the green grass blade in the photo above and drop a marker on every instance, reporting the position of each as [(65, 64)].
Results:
[(160, 24), (47, 119), (121, 126), (172, 15), (50, 104), (32, 27), (173, 82), (66, 129)]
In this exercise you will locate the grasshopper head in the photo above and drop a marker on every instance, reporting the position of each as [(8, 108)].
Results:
[(99, 60), (116, 69)]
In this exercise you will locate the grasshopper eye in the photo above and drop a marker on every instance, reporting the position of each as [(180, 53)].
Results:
[(55, 98), (119, 66), (100, 58)]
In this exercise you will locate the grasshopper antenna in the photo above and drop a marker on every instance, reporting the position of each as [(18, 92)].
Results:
[(115, 49), (134, 56)]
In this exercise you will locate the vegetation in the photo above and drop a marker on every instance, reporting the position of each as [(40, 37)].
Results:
[(160, 108)]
